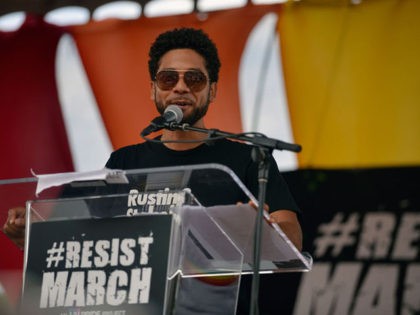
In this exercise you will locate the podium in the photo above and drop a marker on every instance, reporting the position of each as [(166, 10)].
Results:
[(149, 241)]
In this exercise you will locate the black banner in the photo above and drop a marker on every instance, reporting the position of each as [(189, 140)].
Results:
[(362, 228)]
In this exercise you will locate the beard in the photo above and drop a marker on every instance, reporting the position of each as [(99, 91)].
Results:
[(190, 119), (196, 115)]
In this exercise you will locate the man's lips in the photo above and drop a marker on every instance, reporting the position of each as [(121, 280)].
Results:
[(182, 105)]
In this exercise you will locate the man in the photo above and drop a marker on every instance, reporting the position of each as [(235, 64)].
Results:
[(184, 68)]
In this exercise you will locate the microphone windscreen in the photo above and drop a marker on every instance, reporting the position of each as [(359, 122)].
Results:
[(173, 114)]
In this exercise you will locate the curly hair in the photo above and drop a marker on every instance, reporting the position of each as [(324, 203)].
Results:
[(190, 38)]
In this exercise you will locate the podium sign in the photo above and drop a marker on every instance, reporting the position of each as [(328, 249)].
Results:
[(97, 266)]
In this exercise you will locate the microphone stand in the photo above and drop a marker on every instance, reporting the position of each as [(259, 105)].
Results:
[(263, 148)]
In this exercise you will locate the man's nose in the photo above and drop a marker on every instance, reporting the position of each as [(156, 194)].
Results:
[(181, 86)]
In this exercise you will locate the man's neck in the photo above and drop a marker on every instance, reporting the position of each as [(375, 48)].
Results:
[(182, 135)]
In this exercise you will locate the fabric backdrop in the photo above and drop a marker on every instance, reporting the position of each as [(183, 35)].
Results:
[(352, 77)]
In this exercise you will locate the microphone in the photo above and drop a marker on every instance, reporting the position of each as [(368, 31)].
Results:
[(172, 114)]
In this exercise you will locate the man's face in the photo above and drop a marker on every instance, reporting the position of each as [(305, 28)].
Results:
[(193, 100)]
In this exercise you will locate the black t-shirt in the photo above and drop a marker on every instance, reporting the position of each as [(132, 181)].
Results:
[(235, 155)]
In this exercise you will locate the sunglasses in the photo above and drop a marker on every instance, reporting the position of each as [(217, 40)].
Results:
[(167, 79)]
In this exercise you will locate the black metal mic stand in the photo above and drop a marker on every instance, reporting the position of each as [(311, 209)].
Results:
[(260, 155), (263, 148)]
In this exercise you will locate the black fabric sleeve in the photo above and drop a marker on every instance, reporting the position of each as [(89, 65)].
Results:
[(278, 195)]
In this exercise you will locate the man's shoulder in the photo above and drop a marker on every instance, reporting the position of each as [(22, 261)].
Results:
[(129, 149), (231, 145), (124, 156)]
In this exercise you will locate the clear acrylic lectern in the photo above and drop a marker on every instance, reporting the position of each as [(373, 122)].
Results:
[(147, 241)]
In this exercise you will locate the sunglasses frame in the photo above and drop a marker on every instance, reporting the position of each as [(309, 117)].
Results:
[(193, 86)]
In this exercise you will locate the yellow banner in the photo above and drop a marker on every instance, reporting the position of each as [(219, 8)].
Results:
[(352, 76)]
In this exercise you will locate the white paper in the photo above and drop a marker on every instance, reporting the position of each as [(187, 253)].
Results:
[(58, 179)]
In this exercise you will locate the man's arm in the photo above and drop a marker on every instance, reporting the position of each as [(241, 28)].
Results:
[(14, 227), (289, 223)]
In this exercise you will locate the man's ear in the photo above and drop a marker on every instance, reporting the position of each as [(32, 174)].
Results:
[(152, 91), (213, 91)]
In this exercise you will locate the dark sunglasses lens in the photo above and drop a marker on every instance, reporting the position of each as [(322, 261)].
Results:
[(166, 80), (195, 80)]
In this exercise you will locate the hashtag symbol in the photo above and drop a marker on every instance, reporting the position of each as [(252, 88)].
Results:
[(337, 234), (55, 254)]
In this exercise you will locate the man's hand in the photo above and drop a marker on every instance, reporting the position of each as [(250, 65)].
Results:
[(14, 227), (288, 222)]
